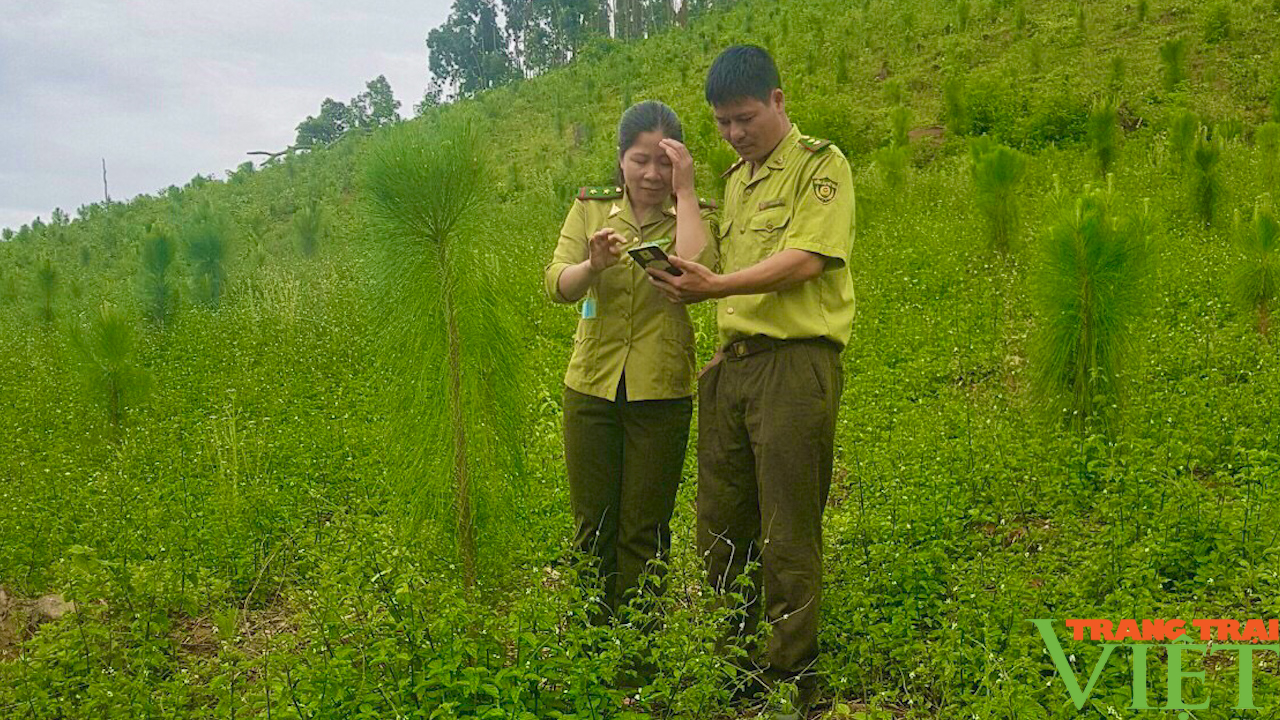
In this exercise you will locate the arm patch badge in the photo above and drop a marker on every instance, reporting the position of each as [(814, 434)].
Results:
[(824, 189)]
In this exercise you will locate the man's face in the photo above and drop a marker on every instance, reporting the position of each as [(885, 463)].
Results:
[(752, 127)]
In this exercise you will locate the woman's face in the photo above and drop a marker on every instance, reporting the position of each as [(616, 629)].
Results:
[(646, 169)]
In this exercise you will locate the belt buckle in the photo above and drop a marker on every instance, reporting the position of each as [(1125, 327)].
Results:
[(739, 348)]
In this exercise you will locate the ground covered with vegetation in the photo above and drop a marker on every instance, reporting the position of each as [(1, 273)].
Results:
[(200, 422)]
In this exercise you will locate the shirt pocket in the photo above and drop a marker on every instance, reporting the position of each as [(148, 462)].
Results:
[(588, 329), (768, 226), (679, 355)]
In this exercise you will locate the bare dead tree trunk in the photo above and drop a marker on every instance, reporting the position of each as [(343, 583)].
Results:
[(106, 196)]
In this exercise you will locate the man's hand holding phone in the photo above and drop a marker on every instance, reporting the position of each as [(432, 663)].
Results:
[(695, 282)]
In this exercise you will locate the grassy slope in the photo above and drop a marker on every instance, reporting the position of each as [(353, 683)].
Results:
[(250, 478)]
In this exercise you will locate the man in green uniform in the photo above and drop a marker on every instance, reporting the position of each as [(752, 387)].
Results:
[(768, 401)]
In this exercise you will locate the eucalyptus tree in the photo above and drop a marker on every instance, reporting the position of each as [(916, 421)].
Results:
[(1089, 294), (1256, 280), (159, 290), (997, 170), (449, 333)]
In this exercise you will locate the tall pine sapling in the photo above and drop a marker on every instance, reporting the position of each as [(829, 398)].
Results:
[(450, 336)]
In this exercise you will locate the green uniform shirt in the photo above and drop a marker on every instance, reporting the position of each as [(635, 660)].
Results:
[(800, 197), (635, 330)]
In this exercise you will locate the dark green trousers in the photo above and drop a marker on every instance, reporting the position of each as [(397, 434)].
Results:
[(766, 436), (624, 461)]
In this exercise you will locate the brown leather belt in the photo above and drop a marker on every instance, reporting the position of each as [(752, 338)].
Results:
[(763, 343)]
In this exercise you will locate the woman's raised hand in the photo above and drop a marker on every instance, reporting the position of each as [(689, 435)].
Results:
[(604, 249), (681, 166)]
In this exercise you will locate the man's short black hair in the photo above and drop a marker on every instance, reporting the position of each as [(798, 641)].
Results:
[(742, 71)]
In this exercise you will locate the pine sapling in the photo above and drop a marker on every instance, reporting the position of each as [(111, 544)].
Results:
[(46, 290), (1206, 185), (1182, 137), (206, 236), (449, 333), (1256, 280), (956, 110), (997, 171), (1090, 293), (1104, 134), (159, 291), (1173, 56), (111, 372), (1267, 139), (899, 126), (308, 223)]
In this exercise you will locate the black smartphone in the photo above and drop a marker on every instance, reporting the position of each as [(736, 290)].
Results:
[(652, 255)]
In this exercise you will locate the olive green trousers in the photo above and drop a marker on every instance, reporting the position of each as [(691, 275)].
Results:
[(624, 460), (766, 437)]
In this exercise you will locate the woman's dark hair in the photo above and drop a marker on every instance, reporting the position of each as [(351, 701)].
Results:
[(644, 117), (742, 71)]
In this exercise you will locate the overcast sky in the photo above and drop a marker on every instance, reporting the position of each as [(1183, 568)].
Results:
[(167, 89)]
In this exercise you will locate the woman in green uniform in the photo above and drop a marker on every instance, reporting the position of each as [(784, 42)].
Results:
[(628, 389)]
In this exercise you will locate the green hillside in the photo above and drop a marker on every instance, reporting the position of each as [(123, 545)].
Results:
[(198, 452)]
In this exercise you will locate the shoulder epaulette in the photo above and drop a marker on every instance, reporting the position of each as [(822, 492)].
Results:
[(813, 144), (708, 204), (600, 192), (732, 167)]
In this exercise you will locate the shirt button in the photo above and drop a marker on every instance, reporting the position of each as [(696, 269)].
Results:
[(750, 189), (768, 225), (729, 310)]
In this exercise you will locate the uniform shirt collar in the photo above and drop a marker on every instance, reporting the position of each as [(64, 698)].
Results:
[(777, 158)]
